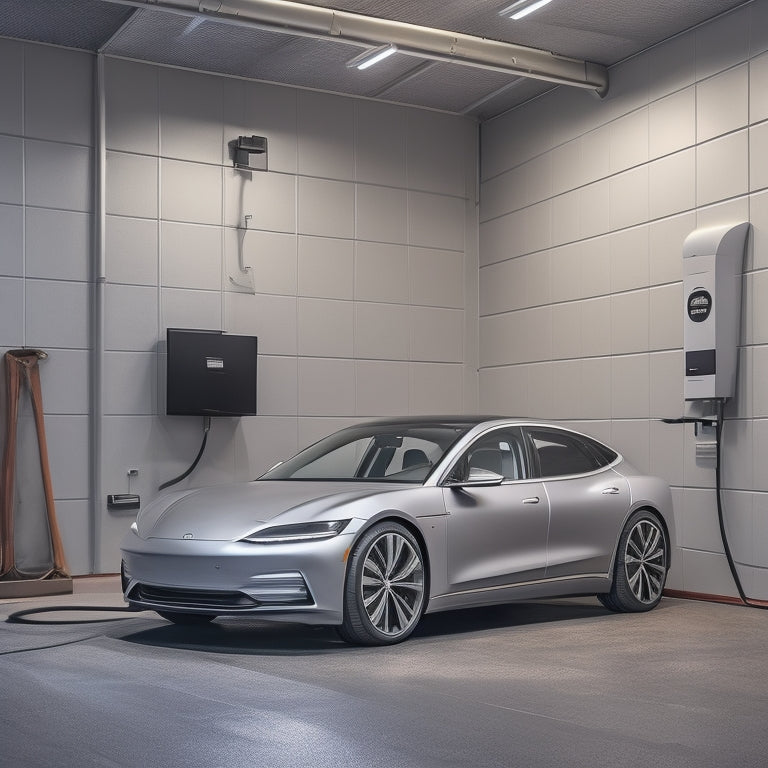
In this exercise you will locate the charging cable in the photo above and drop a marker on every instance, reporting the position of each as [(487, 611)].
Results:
[(206, 429), (717, 423), (19, 617), (720, 514)]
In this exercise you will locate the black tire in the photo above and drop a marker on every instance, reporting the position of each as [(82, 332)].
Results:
[(640, 570), (384, 594), (188, 619)]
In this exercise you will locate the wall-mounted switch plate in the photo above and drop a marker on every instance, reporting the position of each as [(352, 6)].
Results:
[(123, 501), (706, 449)]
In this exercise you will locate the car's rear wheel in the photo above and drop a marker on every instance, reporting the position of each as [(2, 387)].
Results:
[(641, 565), (187, 619), (384, 591)]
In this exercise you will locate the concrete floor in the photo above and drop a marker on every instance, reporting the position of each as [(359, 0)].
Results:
[(561, 683)]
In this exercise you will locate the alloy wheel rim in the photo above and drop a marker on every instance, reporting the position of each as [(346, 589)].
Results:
[(646, 561), (392, 585)]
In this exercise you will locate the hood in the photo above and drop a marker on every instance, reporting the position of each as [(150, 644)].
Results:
[(230, 512)]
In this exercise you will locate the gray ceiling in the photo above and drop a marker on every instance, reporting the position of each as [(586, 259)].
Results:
[(601, 31)]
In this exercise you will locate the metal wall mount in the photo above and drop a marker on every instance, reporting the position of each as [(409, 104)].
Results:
[(249, 153)]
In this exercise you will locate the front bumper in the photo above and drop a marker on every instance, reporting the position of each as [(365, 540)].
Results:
[(301, 582)]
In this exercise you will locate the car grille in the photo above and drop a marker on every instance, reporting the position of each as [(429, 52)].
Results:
[(191, 598)]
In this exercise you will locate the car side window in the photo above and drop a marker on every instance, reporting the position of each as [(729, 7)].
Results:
[(561, 454), (501, 451)]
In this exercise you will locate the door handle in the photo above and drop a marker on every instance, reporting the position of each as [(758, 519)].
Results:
[(531, 500), (612, 490)]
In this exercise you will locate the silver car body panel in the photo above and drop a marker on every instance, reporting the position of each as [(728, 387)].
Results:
[(521, 540), (496, 533), (586, 513)]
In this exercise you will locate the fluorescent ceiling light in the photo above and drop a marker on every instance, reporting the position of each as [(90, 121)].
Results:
[(522, 8), (194, 23), (372, 56)]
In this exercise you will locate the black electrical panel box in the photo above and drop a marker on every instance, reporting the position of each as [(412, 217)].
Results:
[(210, 373)]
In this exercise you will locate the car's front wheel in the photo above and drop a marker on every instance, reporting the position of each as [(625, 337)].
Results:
[(187, 619), (384, 591), (641, 565)]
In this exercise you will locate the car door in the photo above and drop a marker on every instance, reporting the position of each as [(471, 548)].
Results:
[(496, 535), (588, 502)]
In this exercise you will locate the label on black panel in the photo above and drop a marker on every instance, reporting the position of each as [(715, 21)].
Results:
[(699, 305), (700, 363)]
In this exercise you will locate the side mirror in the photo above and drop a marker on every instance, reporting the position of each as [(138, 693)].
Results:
[(478, 478)]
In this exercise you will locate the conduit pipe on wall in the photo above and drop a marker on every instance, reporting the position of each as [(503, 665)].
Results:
[(411, 39), (97, 314)]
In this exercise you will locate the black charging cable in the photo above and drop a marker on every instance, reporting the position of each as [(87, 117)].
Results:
[(717, 423), (20, 617), (206, 429)]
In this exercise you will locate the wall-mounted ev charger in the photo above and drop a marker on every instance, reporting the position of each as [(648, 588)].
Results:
[(713, 261)]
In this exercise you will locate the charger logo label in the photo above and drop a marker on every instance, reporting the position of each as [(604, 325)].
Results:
[(699, 305)]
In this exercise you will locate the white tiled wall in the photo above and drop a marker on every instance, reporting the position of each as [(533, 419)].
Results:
[(584, 209), (46, 137), (361, 239)]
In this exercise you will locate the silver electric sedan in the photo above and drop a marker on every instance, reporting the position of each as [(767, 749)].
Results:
[(379, 523)]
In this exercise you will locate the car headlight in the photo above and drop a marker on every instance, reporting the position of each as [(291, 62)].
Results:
[(135, 527), (282, 534)]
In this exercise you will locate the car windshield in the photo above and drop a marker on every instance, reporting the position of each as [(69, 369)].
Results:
[(397, 453)]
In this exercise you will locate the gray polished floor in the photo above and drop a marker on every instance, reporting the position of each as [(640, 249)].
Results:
[(561, 683)]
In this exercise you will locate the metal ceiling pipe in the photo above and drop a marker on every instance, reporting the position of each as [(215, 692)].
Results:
[(424, 42)]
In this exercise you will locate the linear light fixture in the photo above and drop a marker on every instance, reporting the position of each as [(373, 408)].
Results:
[(194, 23), (522, 8), (372, 56)]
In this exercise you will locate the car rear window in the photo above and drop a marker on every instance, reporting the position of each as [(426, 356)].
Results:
[(560, 453)]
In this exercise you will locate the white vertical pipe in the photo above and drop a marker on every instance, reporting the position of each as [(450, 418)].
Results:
[(97, 315)]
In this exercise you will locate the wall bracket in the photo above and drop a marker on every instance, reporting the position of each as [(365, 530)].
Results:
[(249, 153)]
